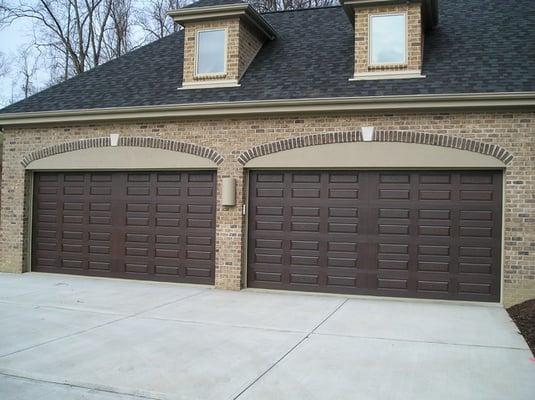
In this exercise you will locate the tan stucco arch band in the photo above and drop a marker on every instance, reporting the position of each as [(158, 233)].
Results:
[(130, 153), (375, 155), (394, 149)]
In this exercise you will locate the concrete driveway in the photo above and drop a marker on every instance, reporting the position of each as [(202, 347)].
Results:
[(64, 337)]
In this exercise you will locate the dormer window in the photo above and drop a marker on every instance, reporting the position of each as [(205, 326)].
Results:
[(221, 40), (388, 39), (211, 52)]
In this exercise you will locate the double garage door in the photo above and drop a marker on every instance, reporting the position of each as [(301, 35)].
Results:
[(140, 225), (403, 233), (409, 234)]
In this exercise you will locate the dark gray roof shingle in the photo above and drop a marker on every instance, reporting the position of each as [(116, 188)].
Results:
[(480, 46), (209, 3)]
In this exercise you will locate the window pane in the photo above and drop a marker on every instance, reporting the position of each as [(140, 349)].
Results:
[(211, 52), (388, 39)]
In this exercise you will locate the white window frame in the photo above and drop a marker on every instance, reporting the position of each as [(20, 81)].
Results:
[(225, 57), (370, 43)]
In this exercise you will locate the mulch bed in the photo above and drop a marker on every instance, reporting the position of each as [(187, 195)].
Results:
[(524, 316)]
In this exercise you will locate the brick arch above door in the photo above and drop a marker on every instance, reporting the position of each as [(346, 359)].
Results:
[(500, 154), (126, 141)]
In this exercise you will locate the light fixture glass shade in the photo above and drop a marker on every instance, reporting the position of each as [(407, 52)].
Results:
[(114, 139), (367, 133)]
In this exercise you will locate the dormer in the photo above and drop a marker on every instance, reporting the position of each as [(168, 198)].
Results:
[(389, 36), (221, 39)]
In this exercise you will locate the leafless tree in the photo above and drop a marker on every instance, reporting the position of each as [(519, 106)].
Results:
[(4, 69), (118, 37), (79, 34), (3, 10), (153, 19), (279, 5), (28, 64)]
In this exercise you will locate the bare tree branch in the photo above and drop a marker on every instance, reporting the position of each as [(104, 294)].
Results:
[(119, 35), (79, 34), (280, 5), (4, 12), (153, 18), (28, 63), (4, 68)]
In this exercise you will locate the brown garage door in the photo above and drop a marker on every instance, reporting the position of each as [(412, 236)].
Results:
[(139, 225), (403, 233)]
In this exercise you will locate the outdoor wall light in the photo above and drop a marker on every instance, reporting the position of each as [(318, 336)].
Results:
[(367, 133), (114, 139), (229, 192)]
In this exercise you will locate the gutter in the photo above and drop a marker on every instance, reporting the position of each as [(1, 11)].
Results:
[(446, 102)]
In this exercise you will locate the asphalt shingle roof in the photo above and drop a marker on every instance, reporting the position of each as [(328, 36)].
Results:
[(479, 46), (209, 3)]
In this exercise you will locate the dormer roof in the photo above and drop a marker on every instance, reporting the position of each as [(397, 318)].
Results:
[(203, 10), (213, 3), (429, 8)]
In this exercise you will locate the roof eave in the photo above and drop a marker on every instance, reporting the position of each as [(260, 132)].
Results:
[(444, 102)]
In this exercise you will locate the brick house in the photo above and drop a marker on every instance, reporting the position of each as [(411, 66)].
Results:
[(383, 147)]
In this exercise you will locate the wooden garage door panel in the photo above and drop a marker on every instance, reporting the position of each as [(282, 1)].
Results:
[(141, 225), (403, 233)]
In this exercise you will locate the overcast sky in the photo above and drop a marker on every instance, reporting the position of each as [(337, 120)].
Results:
[(9, 41), (13, 38)]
